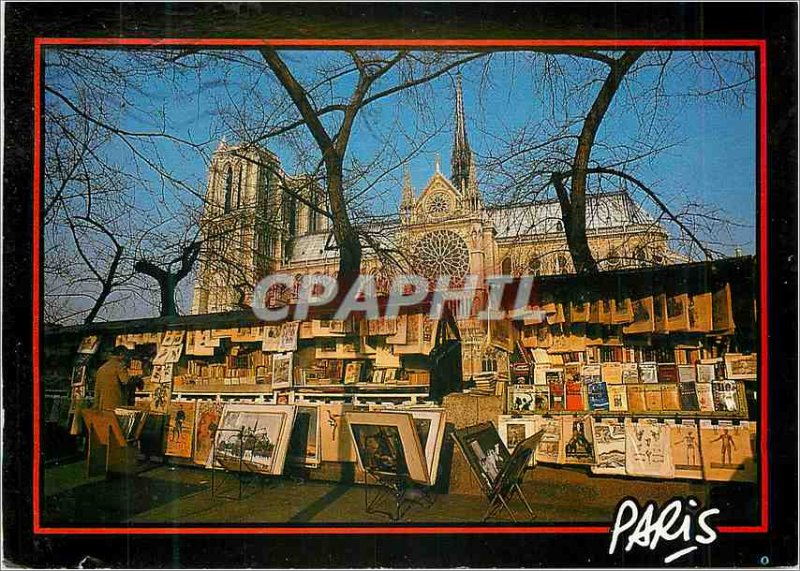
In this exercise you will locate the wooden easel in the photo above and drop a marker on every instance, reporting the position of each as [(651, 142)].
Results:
[(108, 450)]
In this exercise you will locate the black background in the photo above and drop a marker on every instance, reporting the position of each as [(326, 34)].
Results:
[(775, 22)]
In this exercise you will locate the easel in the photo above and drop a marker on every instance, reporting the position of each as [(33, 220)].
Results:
[(107, 446), (396, 488)]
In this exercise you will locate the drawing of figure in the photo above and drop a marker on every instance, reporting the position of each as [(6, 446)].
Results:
[(727, 445), (578, 440), (177, 427), (690, 443)]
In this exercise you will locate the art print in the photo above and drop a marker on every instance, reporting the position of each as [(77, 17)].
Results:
[(577, 439), (684, 441), (609, 447), (727, 451), (648, 450), (208, 417), (282, 370), (180, 428)]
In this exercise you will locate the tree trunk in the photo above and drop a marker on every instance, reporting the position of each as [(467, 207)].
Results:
[(346, 236)]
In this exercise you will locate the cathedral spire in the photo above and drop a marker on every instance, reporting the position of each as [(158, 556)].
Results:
[(462, 155), (408, 200)]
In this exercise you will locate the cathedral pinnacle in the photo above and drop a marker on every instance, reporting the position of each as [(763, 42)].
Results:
[(462, 155)]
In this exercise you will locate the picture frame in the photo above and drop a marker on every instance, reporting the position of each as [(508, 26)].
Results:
[(352, 372), (89, 344), (267, 429), (741, 367), (388, 443)]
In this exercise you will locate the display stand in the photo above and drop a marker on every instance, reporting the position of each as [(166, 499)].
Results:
[(108, 450), (501, 490), (398, 489)]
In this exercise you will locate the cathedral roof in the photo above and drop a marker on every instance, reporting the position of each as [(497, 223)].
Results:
[(604, 211)]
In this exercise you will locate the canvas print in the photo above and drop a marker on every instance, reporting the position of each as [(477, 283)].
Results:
[(208, 417), (727, 451), (684, 439), (180, 428), (253, 437), (609, 447)]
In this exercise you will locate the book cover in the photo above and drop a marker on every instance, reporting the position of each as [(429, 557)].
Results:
[(630, 373), (617, 398), (670, 397), (636, 400), (724, 395), (705, 398), (688, 396), (648, 372), (652, 398), (597, 395), (611, 373), (667, 373), (574, 394), (556, 396)]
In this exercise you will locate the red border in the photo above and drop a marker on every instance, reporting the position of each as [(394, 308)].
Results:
[(759, 45)]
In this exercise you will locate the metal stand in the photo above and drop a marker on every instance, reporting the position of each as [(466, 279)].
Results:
[(498, 501), (398, 489), (240, 472)]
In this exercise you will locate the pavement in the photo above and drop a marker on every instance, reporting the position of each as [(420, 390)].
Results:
[(169, 495)]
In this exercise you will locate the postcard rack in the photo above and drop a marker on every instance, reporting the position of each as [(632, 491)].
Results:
[(398, 489)]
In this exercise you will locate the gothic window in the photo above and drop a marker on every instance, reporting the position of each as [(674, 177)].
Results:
[(438, 205), (505, 267), (442, 253), (239, 188), (228, 188), (535, 266), (613, 260), (640, 254)]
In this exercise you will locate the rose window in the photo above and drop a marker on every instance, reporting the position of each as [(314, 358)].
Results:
[(438, 205), (442, 253)]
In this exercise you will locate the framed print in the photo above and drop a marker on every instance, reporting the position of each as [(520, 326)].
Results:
[(700, 313), (738, 366), (722, 309), (387, 443), (89, 345), (255, 436), (660, 322), (282, 370)]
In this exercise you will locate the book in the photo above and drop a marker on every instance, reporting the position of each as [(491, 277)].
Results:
[(687, 373), (630, 373), (597, 395), (590, 374), (724, 396), (636, 398), (611, 373), (652, 398), (706, 372), (688, 396), (648, 373), (617, 398), (667, 373), (556, 396), (705, 397), (670, 397), (574, 395)]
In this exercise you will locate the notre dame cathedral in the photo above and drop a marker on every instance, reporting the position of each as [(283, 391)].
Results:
[(258, 220)]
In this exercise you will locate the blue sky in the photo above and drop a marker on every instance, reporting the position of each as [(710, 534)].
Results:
[(710, 155)]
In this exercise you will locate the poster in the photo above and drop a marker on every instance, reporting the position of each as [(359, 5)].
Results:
[(577, 439), (609, 447), (648, 450), (208, 415), (684, 440), (728, 453), (551, 448), (180, 428)]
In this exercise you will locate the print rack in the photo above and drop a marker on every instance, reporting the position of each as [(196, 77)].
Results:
[(398, 489)]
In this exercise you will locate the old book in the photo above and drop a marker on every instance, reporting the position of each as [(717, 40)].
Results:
[(597, 394), (648, 372), (687, 373), (617, 398), (725, 396), (630, 373), (705, 397), (667, 373), (556, 396), (590, 373), (670, 396), (688, 396), (574, 395), (636, 398), (652, 398), (611, 373)]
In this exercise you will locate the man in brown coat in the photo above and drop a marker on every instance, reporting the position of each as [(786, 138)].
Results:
[(110, 390)]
